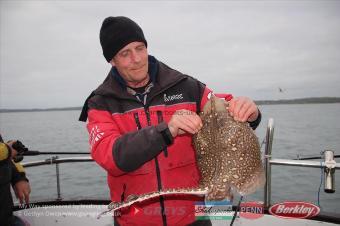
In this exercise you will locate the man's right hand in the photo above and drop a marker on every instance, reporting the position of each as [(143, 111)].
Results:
[(22, 191), (184, 121)]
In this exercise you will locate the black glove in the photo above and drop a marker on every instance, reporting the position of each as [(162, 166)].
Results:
[(21, 149)]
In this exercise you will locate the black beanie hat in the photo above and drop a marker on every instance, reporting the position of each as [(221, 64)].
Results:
[(117, 32)]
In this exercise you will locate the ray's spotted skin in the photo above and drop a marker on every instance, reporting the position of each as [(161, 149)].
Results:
[(228, 153), (228, 158)]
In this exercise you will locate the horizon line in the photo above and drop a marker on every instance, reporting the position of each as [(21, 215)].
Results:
[(259, 102)]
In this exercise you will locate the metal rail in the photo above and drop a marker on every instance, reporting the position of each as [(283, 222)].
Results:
[(267, 165), (268, 162), (56, 160), (304, 163)]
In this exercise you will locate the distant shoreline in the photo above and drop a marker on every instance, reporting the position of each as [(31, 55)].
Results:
[(310, 100)]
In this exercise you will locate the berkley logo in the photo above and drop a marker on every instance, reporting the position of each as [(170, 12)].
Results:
[(173, 97), (294, 210)]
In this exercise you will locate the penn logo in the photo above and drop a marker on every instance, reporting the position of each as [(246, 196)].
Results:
[(294, 210), (252, 210), (173, 97)]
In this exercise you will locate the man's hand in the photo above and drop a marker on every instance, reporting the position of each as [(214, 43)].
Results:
[(22, 191), (183, 121), (243, 109)]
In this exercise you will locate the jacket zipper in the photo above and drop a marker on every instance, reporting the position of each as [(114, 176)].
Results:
[(160, 119), (122, 196), (135, 115), (158, 173)]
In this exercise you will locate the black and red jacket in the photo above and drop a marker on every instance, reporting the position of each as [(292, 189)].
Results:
[(9, 175), (129, 140)]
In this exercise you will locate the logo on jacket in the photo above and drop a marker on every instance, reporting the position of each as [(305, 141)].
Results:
[(173, 97), (95, 135)]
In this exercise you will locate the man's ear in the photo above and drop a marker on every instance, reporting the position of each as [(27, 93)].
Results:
[(112, 63)]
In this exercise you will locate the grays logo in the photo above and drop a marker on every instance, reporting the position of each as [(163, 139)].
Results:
[(173, 97)]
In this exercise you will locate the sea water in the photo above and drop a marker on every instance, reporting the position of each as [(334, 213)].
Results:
[(305, 129)]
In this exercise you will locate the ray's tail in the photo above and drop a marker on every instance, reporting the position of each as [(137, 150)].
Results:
[(115, 206)]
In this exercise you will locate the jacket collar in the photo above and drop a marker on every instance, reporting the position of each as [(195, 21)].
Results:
[(162, 76)]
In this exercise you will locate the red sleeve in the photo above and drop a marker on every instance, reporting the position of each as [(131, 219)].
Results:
[(206, 96), (225, 96), (103, 133)]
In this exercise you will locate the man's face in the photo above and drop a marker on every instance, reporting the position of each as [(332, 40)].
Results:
[(132, 63)]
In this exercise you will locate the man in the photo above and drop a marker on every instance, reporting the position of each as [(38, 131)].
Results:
[(141, 121), (11, 173)]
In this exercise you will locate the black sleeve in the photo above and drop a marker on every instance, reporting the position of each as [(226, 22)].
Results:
[(16, 175), (133, 149), (256, 123)]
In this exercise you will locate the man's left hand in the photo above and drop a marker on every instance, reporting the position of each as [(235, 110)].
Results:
[(243, 109), (22, 191)]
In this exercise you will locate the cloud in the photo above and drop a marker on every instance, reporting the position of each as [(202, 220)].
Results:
[(51, 56)]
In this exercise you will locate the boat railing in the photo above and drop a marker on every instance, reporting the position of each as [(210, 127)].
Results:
[(329, 165), (56, 160), (268, 163)]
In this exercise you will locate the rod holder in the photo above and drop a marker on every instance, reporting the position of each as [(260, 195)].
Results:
[(329, 171)]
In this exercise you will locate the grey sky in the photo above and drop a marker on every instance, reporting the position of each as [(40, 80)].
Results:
[(51, 56)]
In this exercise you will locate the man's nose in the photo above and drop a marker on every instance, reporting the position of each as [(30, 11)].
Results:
[(136, 57)]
